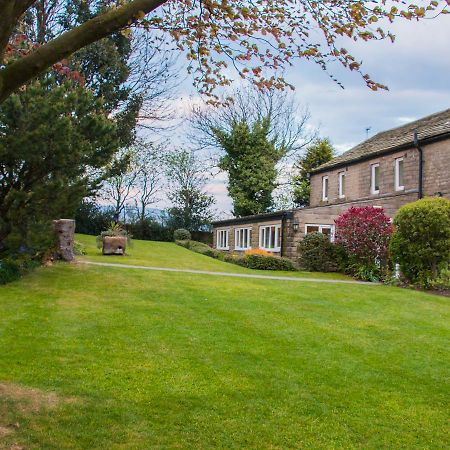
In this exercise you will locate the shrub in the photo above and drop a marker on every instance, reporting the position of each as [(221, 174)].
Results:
[(9, 271), (442, 281), (261, 262), (257, 251), (79, 248), (91, 218), (366, 273), (421, 242), (150, 229), (317, 253), (181, 235), (364, 234), (200, 247)]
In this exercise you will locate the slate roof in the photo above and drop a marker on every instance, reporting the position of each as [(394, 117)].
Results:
[(276, 215), (433, 126)]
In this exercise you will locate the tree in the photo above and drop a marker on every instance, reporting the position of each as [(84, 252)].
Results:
[(148, 180), (255, 133), (53, 136), (119, 187), (250, 162), (251, 36), (191, 205), (318, 153)]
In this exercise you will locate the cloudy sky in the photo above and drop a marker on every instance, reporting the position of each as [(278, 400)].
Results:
[(416, 68)]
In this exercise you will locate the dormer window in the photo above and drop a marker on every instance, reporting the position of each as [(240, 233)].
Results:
[(324, 189), (399, 174), (375, 178), (341, 179)]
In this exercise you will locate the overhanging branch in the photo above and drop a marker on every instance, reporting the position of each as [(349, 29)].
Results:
[(25, 69)]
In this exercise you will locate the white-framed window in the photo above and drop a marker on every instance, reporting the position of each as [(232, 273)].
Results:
[(341, 179), (328, 230), (324, 188), (270, 237), (375, 178), (243, 239), (399, 174), (223, 239)]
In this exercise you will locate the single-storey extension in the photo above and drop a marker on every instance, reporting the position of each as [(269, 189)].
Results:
[(390, 169)]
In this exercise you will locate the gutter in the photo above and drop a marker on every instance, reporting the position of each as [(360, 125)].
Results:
[(283, 222), (420, 150)]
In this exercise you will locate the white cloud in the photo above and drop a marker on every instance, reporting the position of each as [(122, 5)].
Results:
[(416, 69)]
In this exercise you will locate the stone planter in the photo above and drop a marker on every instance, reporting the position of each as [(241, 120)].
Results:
[(114, 245)]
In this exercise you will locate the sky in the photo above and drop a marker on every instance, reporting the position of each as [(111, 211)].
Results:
[(416, 68)]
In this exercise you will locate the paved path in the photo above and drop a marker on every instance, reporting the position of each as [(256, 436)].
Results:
[(228, 274)]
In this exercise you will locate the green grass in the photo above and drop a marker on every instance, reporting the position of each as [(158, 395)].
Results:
[(165, 254), (114, 358)]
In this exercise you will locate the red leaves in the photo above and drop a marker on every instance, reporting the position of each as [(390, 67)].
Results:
[(364, 232), (20, 46)]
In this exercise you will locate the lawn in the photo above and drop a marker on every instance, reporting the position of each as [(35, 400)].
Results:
[(114, 358), (165, 254)]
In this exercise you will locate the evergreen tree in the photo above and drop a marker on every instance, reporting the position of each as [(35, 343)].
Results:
[(318, 153), (53, 138), (250, 160), (58, 136)]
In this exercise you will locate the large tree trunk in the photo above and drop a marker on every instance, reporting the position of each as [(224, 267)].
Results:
[(25, 69)]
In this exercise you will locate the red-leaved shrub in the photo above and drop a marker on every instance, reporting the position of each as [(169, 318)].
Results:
[(364, 233)]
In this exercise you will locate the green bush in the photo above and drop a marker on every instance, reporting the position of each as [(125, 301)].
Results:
[(442, 281), (78, 248), (261, 262), (200, 247), (421, 241), (181, 235), (150, 229), (9, 271), (317, 254), (365, 272)]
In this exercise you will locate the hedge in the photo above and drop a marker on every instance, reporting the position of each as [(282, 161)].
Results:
[(258, 262)]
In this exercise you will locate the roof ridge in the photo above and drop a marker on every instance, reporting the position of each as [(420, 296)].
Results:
[(428, 126), (408, 124)]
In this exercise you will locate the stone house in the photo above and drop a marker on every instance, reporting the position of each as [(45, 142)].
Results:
[(388, 170)]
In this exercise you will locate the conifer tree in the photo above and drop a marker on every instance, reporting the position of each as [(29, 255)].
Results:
[(318, 153)]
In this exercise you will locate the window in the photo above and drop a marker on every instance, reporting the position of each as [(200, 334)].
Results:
[(399, 174), (375, 179), (270, 238), (222, 239), (341, 184), (324, 188), (243, 239), (328, 230)]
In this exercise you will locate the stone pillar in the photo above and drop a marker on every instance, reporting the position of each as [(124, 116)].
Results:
[(65, 232)]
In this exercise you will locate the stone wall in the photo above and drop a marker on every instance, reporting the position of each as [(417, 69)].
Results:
[(358, 179), (436, 176), (255, 233), (436, 169)]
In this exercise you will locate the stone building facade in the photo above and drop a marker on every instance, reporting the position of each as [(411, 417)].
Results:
[(391, 169)]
